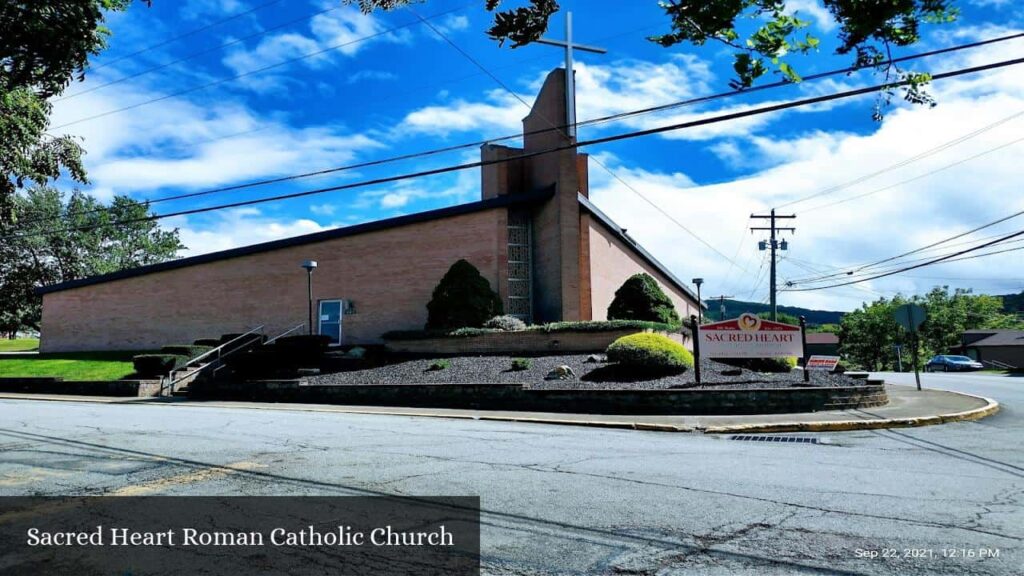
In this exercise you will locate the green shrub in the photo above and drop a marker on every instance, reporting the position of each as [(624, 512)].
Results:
[(520, 364), (211, 342), (463, 298), (505, 324), (303, 350), (154, 365), (187, 350), (438, 365), (604, 326), (769, 365), (641, 298), (650, 351), (464, 332)]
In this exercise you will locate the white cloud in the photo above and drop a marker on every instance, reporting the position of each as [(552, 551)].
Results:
[(186, 144), (193, 9), (376, 75), (345, 31), (814, 11), (234, 228)]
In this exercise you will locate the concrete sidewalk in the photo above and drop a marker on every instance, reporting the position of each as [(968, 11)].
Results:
[(907, 407)]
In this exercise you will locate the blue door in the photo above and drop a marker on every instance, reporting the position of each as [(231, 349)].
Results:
[(330, 320)]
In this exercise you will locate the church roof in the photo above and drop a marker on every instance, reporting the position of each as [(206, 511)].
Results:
[(377, 225), (620, 233)]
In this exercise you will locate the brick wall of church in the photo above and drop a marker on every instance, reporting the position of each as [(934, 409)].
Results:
[(388, 274), (611, 263)]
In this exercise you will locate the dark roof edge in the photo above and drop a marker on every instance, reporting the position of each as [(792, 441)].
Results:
[(615, 229), (375, 226)]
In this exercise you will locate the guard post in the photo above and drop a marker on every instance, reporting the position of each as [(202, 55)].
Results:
[(695, 329), (803, 348)]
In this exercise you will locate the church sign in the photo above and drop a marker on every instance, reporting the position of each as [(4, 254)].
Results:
[(749, 336)]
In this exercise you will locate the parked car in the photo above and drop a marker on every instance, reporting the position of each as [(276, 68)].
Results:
[(946, 363)]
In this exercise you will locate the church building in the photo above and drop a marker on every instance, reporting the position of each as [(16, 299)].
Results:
[(545, 248)]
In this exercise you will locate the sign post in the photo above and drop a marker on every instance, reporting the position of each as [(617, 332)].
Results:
[(803, 344), (696, 348), (911, 316)]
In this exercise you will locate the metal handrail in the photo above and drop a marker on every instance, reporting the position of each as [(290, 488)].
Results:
[(171, 381), (999, 365), (283, 334)]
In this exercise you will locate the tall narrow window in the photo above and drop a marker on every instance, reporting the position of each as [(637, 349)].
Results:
[(520, 281)]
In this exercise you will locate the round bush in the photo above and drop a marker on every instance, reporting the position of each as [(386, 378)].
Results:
[(641, 298), (463, 298), (505, 324), (652, 351)]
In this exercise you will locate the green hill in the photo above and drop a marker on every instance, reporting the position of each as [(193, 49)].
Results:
[(1013, 302), (734, 308)]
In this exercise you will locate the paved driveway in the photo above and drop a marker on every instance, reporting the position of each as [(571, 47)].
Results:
[(568, 500)]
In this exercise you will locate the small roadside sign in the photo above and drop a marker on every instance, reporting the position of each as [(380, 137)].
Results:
[(825, 363)]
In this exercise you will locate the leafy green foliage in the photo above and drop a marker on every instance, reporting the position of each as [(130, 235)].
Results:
[(641, 298), (463, 298), (43, 46), (781, 317), (438, 365), (650, 351), (520, 364), (42, 249), (868, 335), (154, 365), (553, 327)]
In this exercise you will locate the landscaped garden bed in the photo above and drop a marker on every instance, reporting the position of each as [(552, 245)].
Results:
[(589, 375)]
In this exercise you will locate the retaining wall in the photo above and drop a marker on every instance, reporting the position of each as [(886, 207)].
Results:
[(517, 397), (80, 387), (523, 342)]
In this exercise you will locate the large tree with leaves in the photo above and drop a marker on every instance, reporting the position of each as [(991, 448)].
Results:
[(762, 33), (868, 335), (66, 237), (43, 47)]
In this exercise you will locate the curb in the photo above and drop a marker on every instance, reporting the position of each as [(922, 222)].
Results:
[(990, 408)]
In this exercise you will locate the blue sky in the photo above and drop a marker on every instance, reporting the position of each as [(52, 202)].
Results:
[(322, 85)]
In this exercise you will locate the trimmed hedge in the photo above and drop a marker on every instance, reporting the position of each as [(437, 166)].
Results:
[(650, 351), (505, 324), (153, 365), (641, 298), (770, 365), (463, 298), (211, 342), (188, 350)]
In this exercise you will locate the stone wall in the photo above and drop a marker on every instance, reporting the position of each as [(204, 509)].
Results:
[(517, 397), (80, 387)]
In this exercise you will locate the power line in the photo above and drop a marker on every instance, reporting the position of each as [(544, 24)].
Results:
[(252, 72), (921, 156), (915, 251), (570, 145), (916, 178), (948, 257), (185, 34), (594, 121), (188, 57)]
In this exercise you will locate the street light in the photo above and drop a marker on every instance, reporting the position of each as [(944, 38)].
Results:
[(310, 265), (700, 303)]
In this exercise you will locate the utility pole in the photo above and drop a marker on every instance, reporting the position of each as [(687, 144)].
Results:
[(721, 305), (773, 245)]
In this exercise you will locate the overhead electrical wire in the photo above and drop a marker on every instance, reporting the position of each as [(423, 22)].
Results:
[(595, 121), (948, 257), (862, 267), (220, 81), (572, 145)]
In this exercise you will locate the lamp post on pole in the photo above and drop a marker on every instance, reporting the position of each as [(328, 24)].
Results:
[(700, 303), (310, 265)]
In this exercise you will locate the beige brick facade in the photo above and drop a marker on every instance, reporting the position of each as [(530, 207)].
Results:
[(389, 276)]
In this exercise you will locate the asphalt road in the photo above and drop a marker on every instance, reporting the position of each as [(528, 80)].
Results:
[(574, 500)]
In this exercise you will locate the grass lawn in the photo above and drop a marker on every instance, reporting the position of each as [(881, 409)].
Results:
[(69, 365), (19, 345)]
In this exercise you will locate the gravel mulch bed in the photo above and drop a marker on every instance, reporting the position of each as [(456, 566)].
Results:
[(590, 376)]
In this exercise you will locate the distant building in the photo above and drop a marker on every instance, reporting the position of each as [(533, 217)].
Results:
[(994, 348), (548, 252), (822, 344)]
